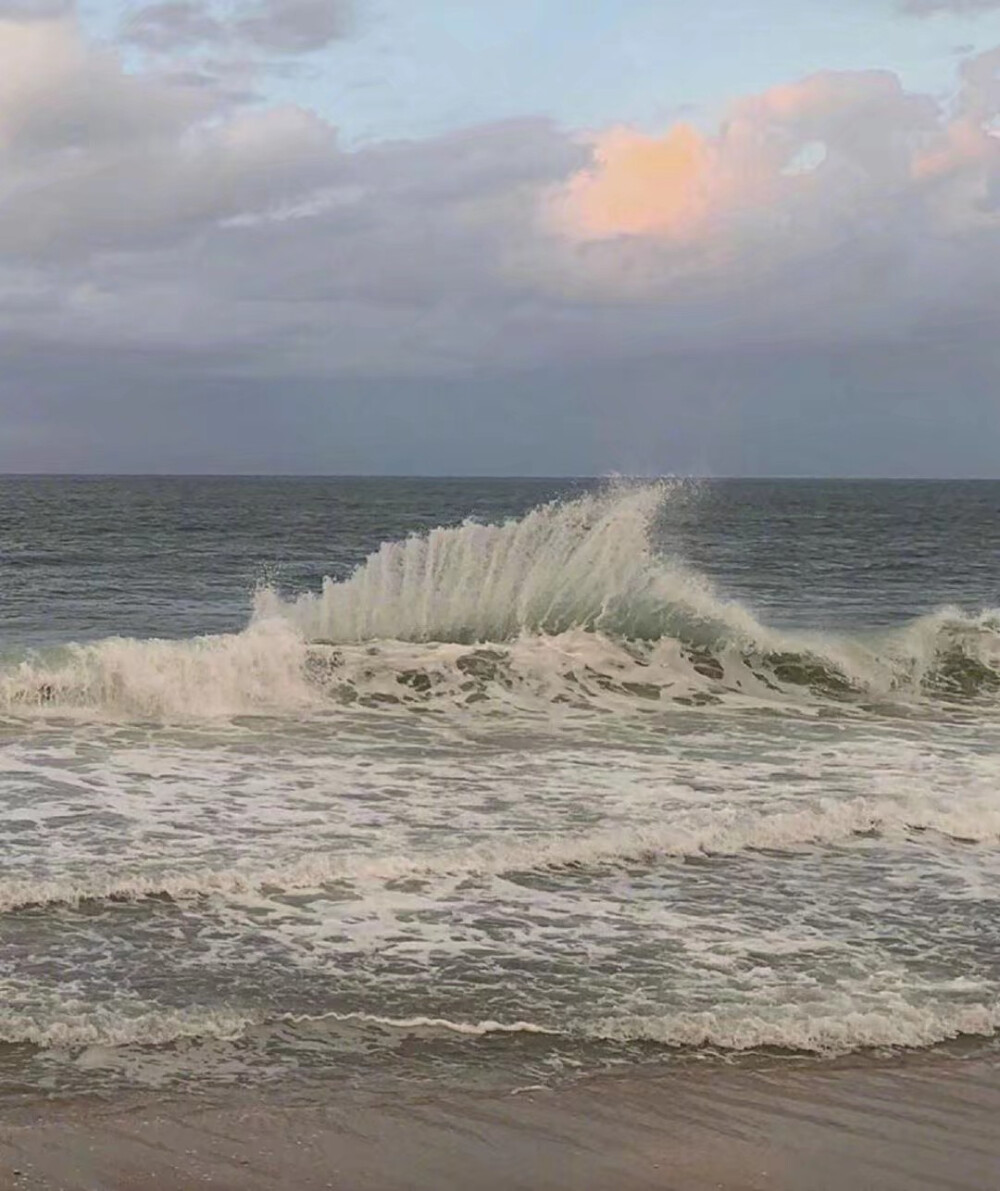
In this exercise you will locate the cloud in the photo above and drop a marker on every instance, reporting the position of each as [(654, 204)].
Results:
[(923, 8), (168, 228), (272, 26), (640, 185), (93, 157), (142, 214), (688, 185), (839, 208)]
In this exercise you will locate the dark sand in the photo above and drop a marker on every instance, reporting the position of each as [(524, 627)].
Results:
[(930, 1122)]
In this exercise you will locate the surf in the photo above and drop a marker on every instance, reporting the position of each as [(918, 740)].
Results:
[(708, 832), (578, 604)]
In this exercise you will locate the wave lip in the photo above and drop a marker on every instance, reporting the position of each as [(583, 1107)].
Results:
[(588, 563), (424, 1024)]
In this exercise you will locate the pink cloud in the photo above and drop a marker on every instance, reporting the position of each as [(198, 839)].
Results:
[(686, 184)]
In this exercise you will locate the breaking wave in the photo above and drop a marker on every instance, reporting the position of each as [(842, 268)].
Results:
[(896, 1026), (571, 604), (787, 1028), (588, 563)]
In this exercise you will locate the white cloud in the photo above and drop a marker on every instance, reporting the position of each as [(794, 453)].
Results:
[(94, 158)]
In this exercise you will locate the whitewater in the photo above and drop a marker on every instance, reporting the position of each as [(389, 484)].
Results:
[(542, 781)]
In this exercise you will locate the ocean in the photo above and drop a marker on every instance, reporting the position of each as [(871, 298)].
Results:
[(491, 782)]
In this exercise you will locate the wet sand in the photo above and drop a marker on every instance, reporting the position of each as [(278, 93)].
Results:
[(929, 1122)]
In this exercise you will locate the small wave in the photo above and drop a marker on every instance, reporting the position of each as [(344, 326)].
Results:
[(422, 1024), (722, 832), (795, 1029), (77, 1027), (900, 1026), (792, 1029)]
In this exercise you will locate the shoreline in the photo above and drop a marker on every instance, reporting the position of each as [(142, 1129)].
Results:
[(893, 1124)]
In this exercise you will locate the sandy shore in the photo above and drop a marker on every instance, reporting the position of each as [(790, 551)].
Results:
[(932, 1122)]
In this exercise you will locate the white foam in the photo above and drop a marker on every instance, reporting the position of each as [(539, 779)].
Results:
[(261, 669), (75, 1027), (719, 831), (822, 1031), (424, 1024)]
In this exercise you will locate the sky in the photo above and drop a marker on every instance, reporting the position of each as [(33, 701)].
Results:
[(536, 238)]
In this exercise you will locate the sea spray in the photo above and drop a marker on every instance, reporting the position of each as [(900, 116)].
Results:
[(589, 563)]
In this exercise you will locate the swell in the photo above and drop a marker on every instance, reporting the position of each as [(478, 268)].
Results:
[(726, 832), (572, 604)]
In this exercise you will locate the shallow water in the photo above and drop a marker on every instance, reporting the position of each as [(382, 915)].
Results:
[(639, 768)]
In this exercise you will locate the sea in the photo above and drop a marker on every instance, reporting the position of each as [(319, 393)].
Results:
[(495, 782)]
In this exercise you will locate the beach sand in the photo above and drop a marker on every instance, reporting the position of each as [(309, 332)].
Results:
[(918, 1122)]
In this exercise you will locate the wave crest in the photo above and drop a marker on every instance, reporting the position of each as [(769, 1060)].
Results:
[(587, 563)]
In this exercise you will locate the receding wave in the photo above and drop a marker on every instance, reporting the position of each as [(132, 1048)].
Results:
[(572, 604), (711, 832)]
